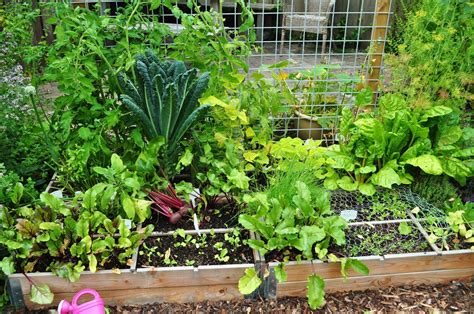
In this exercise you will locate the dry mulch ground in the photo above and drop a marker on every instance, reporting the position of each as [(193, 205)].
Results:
[(454, 297)]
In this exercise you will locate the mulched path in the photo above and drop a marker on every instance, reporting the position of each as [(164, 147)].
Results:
[(454, 297)]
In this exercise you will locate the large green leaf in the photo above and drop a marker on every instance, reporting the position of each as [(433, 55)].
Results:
[(428, 163), (309, 235), (367, 189), (249, 282), (346, 183), (41, 294), (315, 292), (239, 179), (386, 177), (435, 111), (450, 135), (456, 168), (253, 224)]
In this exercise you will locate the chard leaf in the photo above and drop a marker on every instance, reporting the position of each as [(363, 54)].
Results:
[(82, 228), (7, 266), (92, 262), (359, 267), (128, 206), (258, 245), (450, 135), (456, 168), (253, 224), (367, 189), (41, 294), (346, 183), (428, 163), (386, 177), (435, 111), (249, 282), (315, 292)]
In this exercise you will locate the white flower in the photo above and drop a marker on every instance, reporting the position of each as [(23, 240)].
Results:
[(30, 90)]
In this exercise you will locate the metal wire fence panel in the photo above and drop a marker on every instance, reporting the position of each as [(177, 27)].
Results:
[(333, 48)]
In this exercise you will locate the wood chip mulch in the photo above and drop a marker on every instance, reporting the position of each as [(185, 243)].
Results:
[(454, 297)]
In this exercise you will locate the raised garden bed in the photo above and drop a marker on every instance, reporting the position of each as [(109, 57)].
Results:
[(174, 283), (189, 266), (391, 263)]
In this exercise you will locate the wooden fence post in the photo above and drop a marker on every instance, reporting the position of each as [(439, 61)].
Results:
[(378, 38)]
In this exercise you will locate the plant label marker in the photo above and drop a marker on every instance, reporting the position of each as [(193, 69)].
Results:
[(349, 214)]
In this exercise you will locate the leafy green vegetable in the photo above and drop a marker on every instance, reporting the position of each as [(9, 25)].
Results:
[(315, 292), (41, 294), (164, 98), (249, 282)]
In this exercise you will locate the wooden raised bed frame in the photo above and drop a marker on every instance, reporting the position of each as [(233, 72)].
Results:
[(433, 267), (220, 282)]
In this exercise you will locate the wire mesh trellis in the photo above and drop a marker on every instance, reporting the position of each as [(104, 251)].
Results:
[(334, 47)]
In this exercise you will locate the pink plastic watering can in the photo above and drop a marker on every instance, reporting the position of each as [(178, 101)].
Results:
[(95, 306)]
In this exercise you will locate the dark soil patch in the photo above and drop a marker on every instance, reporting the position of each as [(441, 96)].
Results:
[(383, 205), (195, 250), (381, 239), (224, 216), (365, 240)]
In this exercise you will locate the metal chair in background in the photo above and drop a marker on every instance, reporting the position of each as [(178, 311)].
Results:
[(307, 16)]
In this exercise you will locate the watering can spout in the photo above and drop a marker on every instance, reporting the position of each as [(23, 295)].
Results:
[(95, 306)]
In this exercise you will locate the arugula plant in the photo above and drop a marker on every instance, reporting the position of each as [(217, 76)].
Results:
[(164, 98)]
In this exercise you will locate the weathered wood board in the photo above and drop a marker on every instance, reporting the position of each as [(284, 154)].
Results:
[(395, 269)]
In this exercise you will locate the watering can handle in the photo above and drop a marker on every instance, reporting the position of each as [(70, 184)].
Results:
[(78, 295)]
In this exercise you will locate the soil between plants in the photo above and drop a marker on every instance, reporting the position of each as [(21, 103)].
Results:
[(366, 240), (224, 216), (381, 239), (198, 250)]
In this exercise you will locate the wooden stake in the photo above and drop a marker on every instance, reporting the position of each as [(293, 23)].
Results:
[(379, 35)]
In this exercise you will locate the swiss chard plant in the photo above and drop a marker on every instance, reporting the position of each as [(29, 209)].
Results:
[(164, 96), (376, 148)]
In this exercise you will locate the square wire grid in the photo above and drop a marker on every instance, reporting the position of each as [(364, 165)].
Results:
[(340, 36)]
